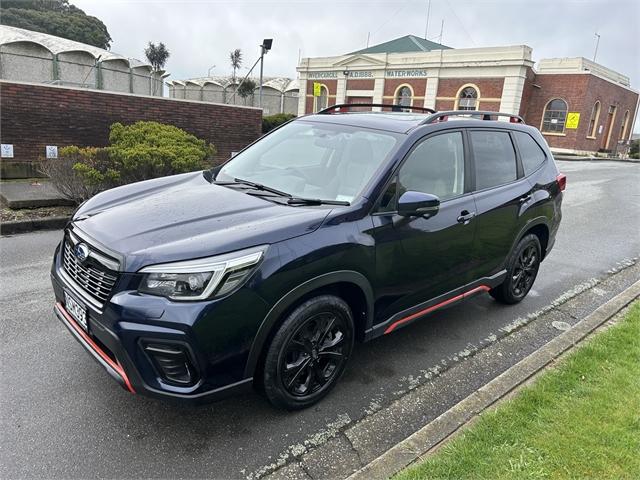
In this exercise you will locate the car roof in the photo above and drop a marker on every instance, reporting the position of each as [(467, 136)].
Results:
[(400, 122)]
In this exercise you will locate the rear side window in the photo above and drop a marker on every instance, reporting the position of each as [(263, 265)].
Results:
[(530, 152), (495, 158)]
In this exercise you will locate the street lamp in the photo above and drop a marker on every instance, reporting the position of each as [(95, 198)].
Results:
[(209, 71), (264, 48)]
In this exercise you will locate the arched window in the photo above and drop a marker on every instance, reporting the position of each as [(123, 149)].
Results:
[(404, 96), (593, 122), (468, 99), (555, 116), (322, 101), (623, 127)]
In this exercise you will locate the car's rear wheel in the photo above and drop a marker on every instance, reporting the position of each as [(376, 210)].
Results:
[(522, 269), (308, 353)]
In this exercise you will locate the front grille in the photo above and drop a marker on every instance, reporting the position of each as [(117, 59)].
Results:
[(95, 280)]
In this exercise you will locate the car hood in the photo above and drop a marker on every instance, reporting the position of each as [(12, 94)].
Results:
[(184, 216)]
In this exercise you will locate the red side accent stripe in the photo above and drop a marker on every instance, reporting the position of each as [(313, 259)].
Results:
[(481, 288), (115, 365)]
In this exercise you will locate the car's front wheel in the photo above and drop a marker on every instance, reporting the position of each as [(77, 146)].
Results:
[(522, 269), (308, 353)]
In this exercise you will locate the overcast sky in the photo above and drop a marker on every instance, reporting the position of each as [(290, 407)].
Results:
[(200, 33)]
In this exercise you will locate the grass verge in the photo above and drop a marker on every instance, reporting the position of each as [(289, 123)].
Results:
[(579, 420)]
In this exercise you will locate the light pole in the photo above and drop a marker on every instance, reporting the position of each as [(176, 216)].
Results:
[(597, 43), (209, 71), (264, 48)]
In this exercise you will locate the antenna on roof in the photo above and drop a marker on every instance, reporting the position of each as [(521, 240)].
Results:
[(368, 36), (426, 27), (597, 43), (441, 31)]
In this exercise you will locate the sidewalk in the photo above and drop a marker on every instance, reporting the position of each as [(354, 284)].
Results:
[(31, 193)]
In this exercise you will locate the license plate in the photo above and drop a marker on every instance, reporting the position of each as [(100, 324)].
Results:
[(76, 310)]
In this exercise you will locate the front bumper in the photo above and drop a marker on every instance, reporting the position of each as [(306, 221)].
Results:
[(117, 332)]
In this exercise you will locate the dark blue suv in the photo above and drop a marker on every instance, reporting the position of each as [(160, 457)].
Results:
[(336, 227)]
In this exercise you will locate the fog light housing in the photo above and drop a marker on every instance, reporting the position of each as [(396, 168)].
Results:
[(172, 362)]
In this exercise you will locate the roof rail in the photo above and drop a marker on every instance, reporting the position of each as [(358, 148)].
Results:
[(477, 114), (399, 108)]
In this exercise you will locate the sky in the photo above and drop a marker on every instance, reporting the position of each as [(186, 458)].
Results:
[(200, 33)]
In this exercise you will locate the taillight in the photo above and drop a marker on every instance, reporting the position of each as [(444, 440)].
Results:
[(561, 179)]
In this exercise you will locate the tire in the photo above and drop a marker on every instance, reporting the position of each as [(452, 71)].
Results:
[(522, 269), (309, 352)]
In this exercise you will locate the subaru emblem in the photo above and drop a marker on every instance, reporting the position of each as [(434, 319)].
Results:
[(81, 251)]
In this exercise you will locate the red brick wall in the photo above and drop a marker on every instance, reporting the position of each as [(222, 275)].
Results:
[(527, 92), (33, 116), (332, 86), (489, 87), (360, 84), (581, 91), (419, 86)]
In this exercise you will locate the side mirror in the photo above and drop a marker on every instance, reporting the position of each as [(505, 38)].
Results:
[(418, 204)]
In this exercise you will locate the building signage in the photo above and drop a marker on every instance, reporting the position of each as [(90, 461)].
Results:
[(573, 120), (360, 74), (319, 75), (7, 150), (317, 89), (405, 73), (52, 151)]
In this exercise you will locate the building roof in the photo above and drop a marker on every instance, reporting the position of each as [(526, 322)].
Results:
[(281, 84), (408, 43), (61, 45)]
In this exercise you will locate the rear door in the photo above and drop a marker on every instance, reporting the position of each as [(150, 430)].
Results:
[(420, 258), (501, 194)]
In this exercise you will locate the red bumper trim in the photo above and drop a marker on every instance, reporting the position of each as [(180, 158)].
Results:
[(115, 365), (481, 288)]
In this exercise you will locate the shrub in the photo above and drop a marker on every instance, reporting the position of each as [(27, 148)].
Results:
[(272, 121), (147, 150), (136, 152), (80, 173)]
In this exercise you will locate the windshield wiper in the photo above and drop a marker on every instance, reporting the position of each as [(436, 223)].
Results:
[(259, 186), (315, 201)]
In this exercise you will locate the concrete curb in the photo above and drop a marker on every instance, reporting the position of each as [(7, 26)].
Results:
[(440, 429), (24, 226), (594, 159)]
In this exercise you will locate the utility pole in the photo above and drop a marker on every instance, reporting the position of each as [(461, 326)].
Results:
[(597, 43), (264, 48), (426, 27), (209, 71)]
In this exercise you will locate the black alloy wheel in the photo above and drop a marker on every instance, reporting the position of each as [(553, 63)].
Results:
[(309, 353), (522, 269)]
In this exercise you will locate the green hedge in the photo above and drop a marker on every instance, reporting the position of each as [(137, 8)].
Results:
[(272, 121)]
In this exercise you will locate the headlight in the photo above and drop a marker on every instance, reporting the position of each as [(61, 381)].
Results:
[(202, 278)]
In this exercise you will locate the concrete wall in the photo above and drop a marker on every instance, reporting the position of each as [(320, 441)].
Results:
[(115, 76), (36, 115), (22, 60)]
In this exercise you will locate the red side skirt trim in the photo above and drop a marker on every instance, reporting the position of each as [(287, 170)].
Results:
[(481, 288), (94, 346)]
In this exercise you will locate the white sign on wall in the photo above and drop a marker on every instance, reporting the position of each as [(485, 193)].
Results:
[(7, 150), (405, 73), (52, 151)]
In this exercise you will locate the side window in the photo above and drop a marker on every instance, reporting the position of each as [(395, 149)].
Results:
[(530, 152), (495, 158), (435, 166)]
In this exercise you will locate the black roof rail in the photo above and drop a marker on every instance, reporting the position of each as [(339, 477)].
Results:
[(484, 114), (398, 108)]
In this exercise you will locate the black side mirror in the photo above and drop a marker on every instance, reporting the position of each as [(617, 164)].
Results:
[(418, 204)]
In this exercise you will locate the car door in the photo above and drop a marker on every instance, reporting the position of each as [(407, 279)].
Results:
[(501, 192), (419, 258)]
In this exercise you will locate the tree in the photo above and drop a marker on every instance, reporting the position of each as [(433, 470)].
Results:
[(55, 17), (157, 55), (236, 61), (246, 89)]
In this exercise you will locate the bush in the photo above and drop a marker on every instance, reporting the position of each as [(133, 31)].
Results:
[(80, 173), (147, 150), (136, 152), (272, 121)]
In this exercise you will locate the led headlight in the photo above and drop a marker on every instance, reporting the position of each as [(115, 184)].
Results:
[(201, 278)]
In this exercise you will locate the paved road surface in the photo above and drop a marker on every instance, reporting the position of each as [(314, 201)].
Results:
[(62, 416)]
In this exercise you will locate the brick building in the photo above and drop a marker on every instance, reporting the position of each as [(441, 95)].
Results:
[(580, 106)]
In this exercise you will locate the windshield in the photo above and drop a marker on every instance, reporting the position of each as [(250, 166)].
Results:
[(313, 160)]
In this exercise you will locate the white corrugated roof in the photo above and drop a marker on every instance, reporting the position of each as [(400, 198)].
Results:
[(282, 84), (60, 45)]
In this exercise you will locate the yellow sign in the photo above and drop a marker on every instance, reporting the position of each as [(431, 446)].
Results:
[(317, 89), (573, 119)]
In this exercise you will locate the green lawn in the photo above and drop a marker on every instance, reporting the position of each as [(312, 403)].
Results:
[(579, 420)]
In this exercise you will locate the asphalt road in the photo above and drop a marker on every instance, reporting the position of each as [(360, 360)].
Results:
[(62, 416)]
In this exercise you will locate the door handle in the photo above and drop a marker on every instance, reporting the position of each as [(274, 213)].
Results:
[(525, 198), (466, 216)]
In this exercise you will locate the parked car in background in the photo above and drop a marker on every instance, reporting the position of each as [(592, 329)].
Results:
[(334, 228)]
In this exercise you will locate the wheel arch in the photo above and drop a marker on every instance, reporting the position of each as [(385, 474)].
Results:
[(539, 227), (351, 286)]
